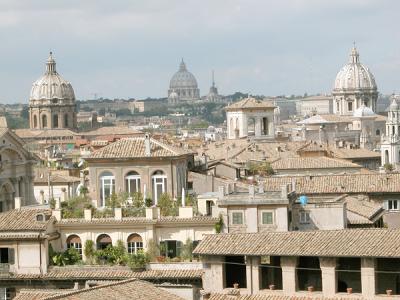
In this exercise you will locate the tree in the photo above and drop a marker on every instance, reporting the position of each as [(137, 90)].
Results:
[(88, 250), (167, 205)]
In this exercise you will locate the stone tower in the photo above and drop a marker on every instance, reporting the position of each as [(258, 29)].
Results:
[(390, 143), (52, 101)]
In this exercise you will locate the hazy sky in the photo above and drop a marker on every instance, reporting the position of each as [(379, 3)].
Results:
[(132, 48)]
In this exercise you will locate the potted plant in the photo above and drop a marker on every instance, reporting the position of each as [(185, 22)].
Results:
[(310, 288), (272, 287), (349, 290), (236, 285), (389, 292)]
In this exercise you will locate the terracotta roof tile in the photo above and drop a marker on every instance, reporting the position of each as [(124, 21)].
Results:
[(276, 296), (312, 163), (135, 147), (250, 103), (335, 243), (24, 220)]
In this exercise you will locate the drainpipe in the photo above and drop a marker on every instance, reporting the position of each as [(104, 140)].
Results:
[(251, 276)]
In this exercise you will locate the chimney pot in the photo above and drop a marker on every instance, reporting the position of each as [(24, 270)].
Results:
[(147, 145), (76, 285)]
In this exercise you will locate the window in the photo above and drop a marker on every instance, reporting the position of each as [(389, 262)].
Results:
[(267, 218), (378, 132), (393, 205), (349, 106), (44, 121), (159, 181), (55, 121), (66, 124), (135, 243), (304, 217), (35, 121), (170, 248), (74, 241), (132, 182), (103, 241), (337, 106), (107, 186), (237, 218)]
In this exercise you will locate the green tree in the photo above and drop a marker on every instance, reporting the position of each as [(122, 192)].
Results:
[(167, 205), (88, 250)]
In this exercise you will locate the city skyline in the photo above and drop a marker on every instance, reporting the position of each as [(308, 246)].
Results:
[(132, 49)]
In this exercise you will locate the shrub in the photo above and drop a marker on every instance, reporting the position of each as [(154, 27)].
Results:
[(168, 207), (152, 250), (138, 260), (69, 257), (73, 208), (88, 250), (218, 226), (113, 255), (187, 250)]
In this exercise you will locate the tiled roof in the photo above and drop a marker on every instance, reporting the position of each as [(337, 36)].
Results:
[(356, 219), (106, 272), (43, 133), (355, 153), (56, 178), (338, 184), (23, 220), (112, 130), (276, 296), (39, 294), (312, 163), (334, 243), (135, 148), (250, 103), (121, 290), (363, 207)]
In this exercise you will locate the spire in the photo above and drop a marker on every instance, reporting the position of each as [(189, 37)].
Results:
[(182, 66), (51, 65), (212, 76), (354, 56)]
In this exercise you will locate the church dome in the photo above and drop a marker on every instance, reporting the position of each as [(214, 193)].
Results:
[(363, 111), (394, 105), (354, 76), (183, 79), (51, 85)]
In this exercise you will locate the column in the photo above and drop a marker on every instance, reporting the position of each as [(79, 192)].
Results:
[(253, 274), (257, 126), (368, 277), (289, 277), (329, 282)]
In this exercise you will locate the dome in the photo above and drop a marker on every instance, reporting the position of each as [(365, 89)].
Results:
[(183, 79), (354, 75), (363, 111), (51, 85)]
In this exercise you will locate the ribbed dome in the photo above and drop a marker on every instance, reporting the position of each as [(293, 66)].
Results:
[(183, 79), (51, 85), (363, 111), (394, 105), (354, 75)]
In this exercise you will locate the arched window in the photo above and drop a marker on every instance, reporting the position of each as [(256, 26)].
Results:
[(386, 156), (159, 182), (55, 121), (103, 240), (132, 182), (35, 121), (44, 121), (74, 241), (66, 123), (107, 186), (264, 126), (378, 132), (251, 126), (135, 243)]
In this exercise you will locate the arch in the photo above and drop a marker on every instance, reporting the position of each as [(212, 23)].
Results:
[(251, 126), (132, 182), (386, 157), (44, 121), (135, 243), (66, 121), (55, 121), (10, 154), (35, 121), (102, 241), (107, 186), (74, 241), (378, 132), (159, 184), (6, 196)]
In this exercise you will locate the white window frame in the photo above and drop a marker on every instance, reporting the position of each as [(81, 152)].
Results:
[(232, 219), (134, 247), (393, 205), (103, 184), (304, 217), (262, 217), (133, 179), (159, 179)]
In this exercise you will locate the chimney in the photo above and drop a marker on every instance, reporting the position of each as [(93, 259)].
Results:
[(17, 202), (118, 213), (58, 203), (147, 147), (88, 214), (185, 212), (284, 191), (251, 190), (221, 192)]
